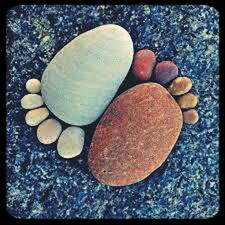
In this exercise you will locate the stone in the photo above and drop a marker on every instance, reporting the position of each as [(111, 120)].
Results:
[(135, 135), (71, 142), (33, 86), (190, 116), (165, 72), (83, 77), (49, 131), (144, 62), (187, 101), (180, 86), (31, 101), (36, 116)]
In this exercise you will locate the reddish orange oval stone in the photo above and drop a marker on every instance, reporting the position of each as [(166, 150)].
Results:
[(135, 135)]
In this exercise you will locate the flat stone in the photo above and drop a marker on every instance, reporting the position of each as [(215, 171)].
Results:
[(36, 116), (31, 101), (135, 135), (83, 77), (71, 142), (49, 131), (33, 86)]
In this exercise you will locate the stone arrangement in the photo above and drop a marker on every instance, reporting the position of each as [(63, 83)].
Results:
[(140, 127)]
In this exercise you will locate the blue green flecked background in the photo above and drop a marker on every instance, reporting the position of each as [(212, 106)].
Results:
[(40, 184)]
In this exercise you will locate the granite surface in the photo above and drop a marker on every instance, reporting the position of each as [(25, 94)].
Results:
[(40, 184)]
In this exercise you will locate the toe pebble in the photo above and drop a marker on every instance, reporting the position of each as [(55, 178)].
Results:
[(31, 101), (187, 101), (71, 142), (36, 116), (190, 116), (49, 131), (33, 86), (180, 86)]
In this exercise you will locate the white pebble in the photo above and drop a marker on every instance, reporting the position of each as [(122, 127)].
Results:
[(31, 101), (71, 142), (49, 131), (33, 86), (36, 116)]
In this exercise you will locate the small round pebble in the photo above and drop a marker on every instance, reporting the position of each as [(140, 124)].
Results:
[(165, 72), (180, 86), (190, 116), (31, 101), (36, 116), (187, 101), (71, 142), (49, 131), (33, 86), (144, 62)]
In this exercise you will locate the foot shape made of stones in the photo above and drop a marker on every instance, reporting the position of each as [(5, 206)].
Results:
[(144, 68)]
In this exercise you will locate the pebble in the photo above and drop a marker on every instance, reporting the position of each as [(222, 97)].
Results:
[(71, 142), (144, 62), (180, 86), (165, 72), (31, 101), (36, 116), (190, 116), (187, 101), (83, 77), (49, 131), (135, 135), (33, 86)]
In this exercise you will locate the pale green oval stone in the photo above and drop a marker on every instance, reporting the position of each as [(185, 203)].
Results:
[(84, 76)]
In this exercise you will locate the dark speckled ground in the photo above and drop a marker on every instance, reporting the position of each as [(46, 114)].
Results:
[(40, 184)]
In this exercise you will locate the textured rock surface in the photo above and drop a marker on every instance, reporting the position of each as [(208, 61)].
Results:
[(135, 135), (83, 77), (44, 185), (71, 142)]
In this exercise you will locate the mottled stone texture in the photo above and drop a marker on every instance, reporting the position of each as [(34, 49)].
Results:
[(40, 184), (135, 135)]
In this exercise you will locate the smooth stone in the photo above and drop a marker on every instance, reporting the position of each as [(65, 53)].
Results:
[(165, 72), (144, 62), (36, 116), (71, 142), (49, 131), (190, 116), (33, 86), (180, 86), (83, 77), (187, 101), (31, 101), (135, 135)]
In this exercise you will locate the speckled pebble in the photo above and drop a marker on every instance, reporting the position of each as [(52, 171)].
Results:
[(31, 101), (71, 142), (180, 86), (190, 116), (36, 116), (33, 86), (165, 72), (49, 131), (135, 135), (187, 101), (144, 62)]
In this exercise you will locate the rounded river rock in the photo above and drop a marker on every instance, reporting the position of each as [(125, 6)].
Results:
[(83, 77), (135, 135)]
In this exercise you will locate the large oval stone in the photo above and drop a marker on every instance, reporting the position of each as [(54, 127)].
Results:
[(135, 135), (84, 76)]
